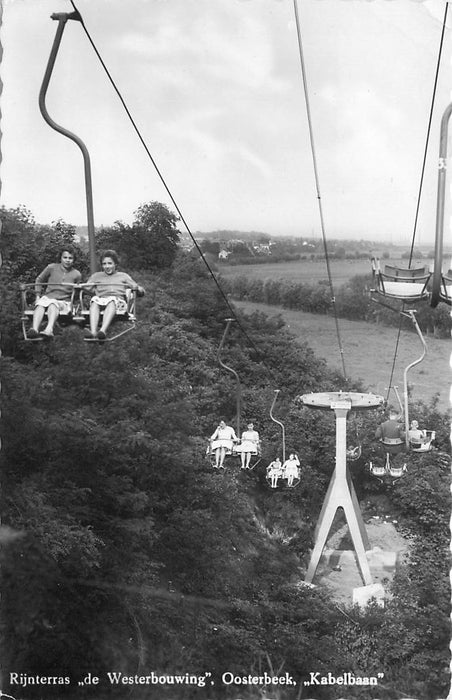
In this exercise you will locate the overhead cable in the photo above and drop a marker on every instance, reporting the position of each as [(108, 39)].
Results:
[(316, 176), (427, 140), (163, 181)]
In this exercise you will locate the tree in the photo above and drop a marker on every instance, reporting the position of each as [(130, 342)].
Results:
[(149, 243), (212, 247)]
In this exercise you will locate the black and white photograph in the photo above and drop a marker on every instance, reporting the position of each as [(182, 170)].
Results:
[(226, 359)]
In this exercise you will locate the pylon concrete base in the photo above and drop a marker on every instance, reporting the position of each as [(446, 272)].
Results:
[(338, 572)]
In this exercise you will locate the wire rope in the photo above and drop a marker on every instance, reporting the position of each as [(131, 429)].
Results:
[(421, 182), (317, 185), (164, 183)]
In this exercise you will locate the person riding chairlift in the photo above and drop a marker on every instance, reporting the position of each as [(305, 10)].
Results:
[(249, 445), (391, 435), (59, 279), (110, 287), (290, 468), (222, 441), (416, 436), (274, 472)]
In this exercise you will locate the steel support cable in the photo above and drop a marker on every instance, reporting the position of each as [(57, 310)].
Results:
[(421, 183), (162, 179), (316, 176)]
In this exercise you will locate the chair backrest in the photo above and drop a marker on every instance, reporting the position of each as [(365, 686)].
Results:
[(397, 471), (377, 470), (405, 274)]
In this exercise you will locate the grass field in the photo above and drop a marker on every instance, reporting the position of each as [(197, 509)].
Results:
[(305, 270), (369, 350)]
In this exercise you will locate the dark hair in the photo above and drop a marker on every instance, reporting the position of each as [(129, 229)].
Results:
[(109, 254), (66, 249)]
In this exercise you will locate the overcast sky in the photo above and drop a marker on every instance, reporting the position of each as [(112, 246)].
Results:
[(215, 87)]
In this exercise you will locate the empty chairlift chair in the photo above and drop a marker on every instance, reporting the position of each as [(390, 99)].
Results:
[(406, 284), (445, 293)]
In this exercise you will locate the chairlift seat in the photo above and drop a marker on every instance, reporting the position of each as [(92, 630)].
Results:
[(423, 445), (446, 288), (377, 470), (397, 472), (128, 315), (354, 453), (296, 479), (407, 284), (28, 307), (282, 481)]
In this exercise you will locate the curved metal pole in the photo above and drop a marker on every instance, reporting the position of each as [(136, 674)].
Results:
[(411, 315), (442, 173), (62, 19), (279, 423), (228, 323), (396, 392)]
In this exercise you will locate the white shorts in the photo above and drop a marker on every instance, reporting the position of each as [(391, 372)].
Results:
[(215, 444), (64, 307), (247, 446), (120, 304)]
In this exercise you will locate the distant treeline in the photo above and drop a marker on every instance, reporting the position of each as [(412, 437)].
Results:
[(233, 259), (352, 301)]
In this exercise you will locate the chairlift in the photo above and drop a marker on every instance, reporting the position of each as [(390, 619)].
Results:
[(445, 292), (224, 443), (411, 315), (354, 452), (377, 470), (423, 444), (286, 473), (126, 318), (232, 443), (388, 469), (405, 284), (28, 297), (80, 313), (395, 472), (441, 283)]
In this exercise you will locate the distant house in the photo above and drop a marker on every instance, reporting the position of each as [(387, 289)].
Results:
[(223, 254), (262, 248)]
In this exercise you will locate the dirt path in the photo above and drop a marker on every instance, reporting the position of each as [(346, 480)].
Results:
[(338, 570)]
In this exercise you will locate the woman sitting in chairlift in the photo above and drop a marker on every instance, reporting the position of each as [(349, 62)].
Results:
[(274, 472), (221, 442), (111, 287), (249, 445), (290, 469), (416, 436)]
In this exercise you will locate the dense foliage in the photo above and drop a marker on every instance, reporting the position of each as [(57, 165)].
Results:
[(352, 300), (149, 243), (124, 551)]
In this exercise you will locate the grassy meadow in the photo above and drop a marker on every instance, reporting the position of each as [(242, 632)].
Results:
[(306, 270), (369, 351)]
